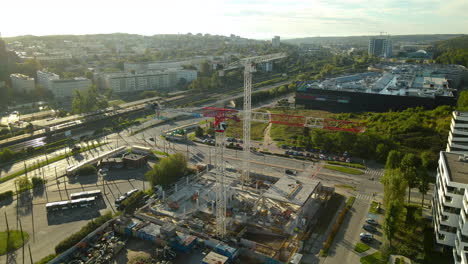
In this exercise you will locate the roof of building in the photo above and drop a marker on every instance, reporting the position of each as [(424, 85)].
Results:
[(292, 189), (215, 258), (457, 166), (133, 156)]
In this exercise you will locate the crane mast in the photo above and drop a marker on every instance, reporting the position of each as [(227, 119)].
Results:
[(249, 69)]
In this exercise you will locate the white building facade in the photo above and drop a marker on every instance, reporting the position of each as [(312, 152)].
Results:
[(22, 83), (127, 82), (66, 88), (458, 136), (450, 204), (44, 78)]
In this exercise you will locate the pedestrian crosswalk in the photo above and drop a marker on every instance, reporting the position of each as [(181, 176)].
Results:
[(364, 196), (376, 173)]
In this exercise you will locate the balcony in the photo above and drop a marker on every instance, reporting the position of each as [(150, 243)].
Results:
[(456, 258)]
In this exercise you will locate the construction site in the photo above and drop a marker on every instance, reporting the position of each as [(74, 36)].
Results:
[(268, 217), (234, 215)]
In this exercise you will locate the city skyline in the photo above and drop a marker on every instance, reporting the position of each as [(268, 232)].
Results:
[(252, 19)]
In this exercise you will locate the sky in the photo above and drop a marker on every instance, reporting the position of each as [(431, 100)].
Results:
[(248, 18)]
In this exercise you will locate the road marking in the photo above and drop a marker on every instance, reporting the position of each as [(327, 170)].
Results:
[(364, 196)]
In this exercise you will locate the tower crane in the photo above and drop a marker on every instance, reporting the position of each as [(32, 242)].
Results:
[(250, 66), (222, 115)]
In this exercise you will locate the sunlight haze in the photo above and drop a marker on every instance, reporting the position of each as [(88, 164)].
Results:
[(253, 19)]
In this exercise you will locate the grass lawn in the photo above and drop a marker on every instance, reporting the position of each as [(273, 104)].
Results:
[(15, 241), (374, 208), (361, 247), (160, 153), (415, 238), (256, 130), (375, 258), (344, 169), (353, 165), (345, 186)]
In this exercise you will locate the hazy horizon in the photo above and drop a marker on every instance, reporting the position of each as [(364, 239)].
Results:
[(248, 18)]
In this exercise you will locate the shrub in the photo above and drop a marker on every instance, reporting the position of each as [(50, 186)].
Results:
[(131, 202), (37, 181), (352, 165), (46, 259), (350, 202), (335, 228), (23, 183), (86, 170), (84, 231), (6, 195)]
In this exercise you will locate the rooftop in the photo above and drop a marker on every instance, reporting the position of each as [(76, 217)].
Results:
[(292, 189), (215, 258), (457, 167)]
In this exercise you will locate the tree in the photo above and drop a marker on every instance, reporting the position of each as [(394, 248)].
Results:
[(198, 132), (391, 219), (409, 167), (168, 170), (6, 155), (428, 160), (23, 183), (424, 180), (394, 186), (393, 159), (462, 103), (88, 100), (205, 68), (381, 152)]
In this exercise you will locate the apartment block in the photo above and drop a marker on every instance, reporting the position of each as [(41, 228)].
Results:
[(381, 47), (450, 204), (458, 136), (22, 83), (44, 78), (127, 82), (66, 88)]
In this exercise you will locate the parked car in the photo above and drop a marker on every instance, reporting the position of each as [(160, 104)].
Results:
[(366, 237), (290, 172), (369, 228), (371, 221)]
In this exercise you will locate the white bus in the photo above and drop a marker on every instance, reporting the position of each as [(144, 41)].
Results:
[(64, 205), (95, 193)]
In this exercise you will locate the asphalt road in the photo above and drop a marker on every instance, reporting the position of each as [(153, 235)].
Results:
[(48, 231)]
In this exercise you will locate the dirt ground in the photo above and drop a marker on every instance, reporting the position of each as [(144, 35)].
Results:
[(134, 250)]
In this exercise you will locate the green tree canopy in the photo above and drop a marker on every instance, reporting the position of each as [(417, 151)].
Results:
[(168, 170)]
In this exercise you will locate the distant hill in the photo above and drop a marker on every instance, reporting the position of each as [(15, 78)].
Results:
[(453, 43), (452, 51), (423, 39)]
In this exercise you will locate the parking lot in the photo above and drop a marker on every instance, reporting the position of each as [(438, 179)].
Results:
[(47, 230)]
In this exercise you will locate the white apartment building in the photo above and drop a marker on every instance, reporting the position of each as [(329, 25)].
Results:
[(450, 204), (188, 75), (458, 136), (44, 78), (65, 88), (127, 82), (22, 83)]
